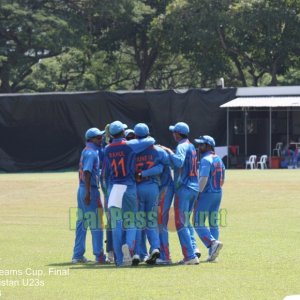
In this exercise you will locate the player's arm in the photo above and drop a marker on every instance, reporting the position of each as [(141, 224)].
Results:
[(101, 156), (139, 145), (87, 181), (204, 173), (164, 156), (222, 175), (88, 162), (155, 170), (105, 174), (178, 158), (168, 150), (202, 183)]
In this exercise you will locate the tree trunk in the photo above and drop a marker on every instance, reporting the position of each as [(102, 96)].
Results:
[(273, 73), (142, 79), (145, 58), (4, 77), (239, 68)]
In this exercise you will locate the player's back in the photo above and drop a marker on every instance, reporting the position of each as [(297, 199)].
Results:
[(121, 161), (148, 159), (216, 175), (187, 175)]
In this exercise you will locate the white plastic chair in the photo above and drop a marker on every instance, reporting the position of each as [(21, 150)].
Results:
[(251, 162), (262, 163), (277, 149)]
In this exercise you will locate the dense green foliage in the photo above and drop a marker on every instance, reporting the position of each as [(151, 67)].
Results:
[(60, 45)]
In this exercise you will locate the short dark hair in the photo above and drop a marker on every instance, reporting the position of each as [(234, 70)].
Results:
[(118, 135), (184, 136), (142, 137)]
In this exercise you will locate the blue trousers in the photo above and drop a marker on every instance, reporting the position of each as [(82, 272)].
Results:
[(109, 244), (89, 216), (122, 221), (166, 194), (148, 210), (207, 207), (183, 205)]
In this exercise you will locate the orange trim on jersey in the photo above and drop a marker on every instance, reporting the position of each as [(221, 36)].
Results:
[(117, 144)]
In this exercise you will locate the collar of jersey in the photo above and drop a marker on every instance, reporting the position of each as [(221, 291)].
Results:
[(91, 146), (183, 141), (207, 153), (118, 140)]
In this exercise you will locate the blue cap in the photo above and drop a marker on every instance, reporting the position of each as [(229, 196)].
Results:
[(141, 129), (206, 139), (128, 131), (92, 132), (116, 127), (180, 127)]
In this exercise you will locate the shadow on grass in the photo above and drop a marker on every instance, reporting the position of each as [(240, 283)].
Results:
[(96, 266)]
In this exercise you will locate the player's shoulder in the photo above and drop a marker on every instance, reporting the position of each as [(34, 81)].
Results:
[(183, 146), (89, 152), (207, 159), (217, 158), (159, 149)]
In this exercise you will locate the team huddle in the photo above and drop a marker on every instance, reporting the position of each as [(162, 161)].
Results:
[(138, 185)]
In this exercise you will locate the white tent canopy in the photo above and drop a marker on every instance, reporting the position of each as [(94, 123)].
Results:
[(263, 102), (262, 99)]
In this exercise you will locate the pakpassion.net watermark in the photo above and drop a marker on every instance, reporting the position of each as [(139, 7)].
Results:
[(99, 219)]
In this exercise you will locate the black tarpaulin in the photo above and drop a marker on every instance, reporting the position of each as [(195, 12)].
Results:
[(43, 132)]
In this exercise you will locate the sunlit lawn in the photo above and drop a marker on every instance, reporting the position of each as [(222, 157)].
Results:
[(260, 258)]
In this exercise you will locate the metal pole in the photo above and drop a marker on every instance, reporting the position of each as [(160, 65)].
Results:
[(270, 137), (245, 132), (287, 125), (227, 138)]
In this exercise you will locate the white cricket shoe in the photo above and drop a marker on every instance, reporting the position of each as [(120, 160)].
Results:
[(193, 261), (214, 251), (110, 258), (82, 260), (153, 256), (136, 260), (145, 258), (198, 253), (127, 259)]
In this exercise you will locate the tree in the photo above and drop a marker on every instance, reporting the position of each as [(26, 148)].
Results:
[(243, 39), (264, 35), (127, 26), (30, 30)]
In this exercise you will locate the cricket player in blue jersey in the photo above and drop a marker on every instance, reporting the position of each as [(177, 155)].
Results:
[(186, 190), (211, 179), (166, 194), (129, 134), (108, 241), (119, 161), (90, 208), (149, 166)]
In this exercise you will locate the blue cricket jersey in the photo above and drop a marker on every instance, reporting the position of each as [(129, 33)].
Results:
[(184, 161), (119, 159), (89, 161), (211, 166), (150, 163)]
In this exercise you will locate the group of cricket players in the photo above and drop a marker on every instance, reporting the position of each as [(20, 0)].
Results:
[(139, 181)]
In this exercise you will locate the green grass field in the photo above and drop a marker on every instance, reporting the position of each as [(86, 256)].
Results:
[(260, 258)]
